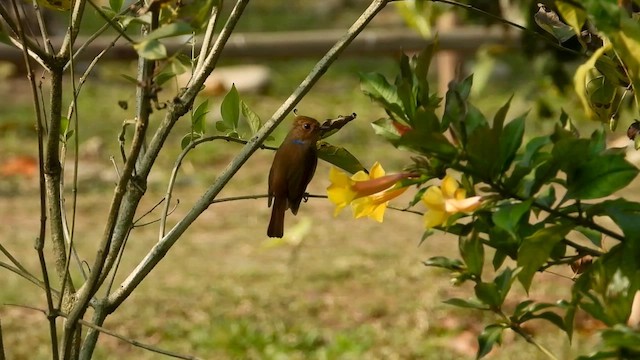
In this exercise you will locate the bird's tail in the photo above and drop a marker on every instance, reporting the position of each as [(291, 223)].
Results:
[(276, 224)]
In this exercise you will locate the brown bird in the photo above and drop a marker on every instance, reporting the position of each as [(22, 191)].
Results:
[(292, 169)]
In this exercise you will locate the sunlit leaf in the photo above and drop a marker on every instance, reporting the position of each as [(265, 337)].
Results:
[(339, 157), (230, 108), (198, 118), (580, 79), (151, 49), (535, 250), (573, 15), (169, 30), (379, 89), (252, 118)]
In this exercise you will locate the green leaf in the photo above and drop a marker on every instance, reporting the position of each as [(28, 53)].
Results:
[(600, 177), (222, 127), (510, 141), (501, 115), (472, 252), (626, 43), (488, 293), (490, 336), (169, 30), (623, 212), (116, 5), (188, 138), (385, 128), (252, 118), (230, 108), (445, 263), (621, 337), (196, 13), (64, 124), (339, 157), (151, 49), (427, 143), (504, 281), (551, 317), (508, 216), (129, 79), (573, 15), (469, 304), (535, 251), (483, 149), (380, 90), (593, 235), (198, 123), (580, 79)]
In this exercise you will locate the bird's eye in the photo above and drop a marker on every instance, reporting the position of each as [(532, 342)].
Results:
[(307, 126)]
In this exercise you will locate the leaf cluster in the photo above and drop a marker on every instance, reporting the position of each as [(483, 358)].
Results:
[(542, 198)]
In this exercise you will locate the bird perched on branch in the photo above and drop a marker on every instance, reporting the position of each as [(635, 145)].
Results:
[(293, 167)]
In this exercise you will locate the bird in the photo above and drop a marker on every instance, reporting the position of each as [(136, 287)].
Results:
[(292, 169)]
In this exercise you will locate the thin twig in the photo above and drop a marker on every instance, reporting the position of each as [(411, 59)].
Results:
[(176, 167), (97, 276), (99, 32), (11, 258), (29, 277), (31, 47), (74, 28), (40, 242), (510, 23), (48, 47), (114, 25), (208, 35), (101, 329)]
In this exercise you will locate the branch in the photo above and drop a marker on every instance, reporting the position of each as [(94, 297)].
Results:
[(43, 214), (29, 277), (107, 25), (176, 167), (72, 31), (34, 51), (161, 248), (89, 288), (208, 35), (511, 23)]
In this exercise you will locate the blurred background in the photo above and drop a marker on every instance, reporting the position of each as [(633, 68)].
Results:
[(335, 288)]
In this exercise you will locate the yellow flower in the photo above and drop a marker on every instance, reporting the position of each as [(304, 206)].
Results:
[(365, 192), (446, 200), (374, 206)]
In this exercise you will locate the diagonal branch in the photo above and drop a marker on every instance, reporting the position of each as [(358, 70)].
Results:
[(161, 248)]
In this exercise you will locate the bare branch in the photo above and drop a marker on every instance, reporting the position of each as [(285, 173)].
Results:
[(101, 329), (74, 28), (43, 216), (208, 36)]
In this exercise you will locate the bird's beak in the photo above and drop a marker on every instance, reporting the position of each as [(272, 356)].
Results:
[(326, 126)]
